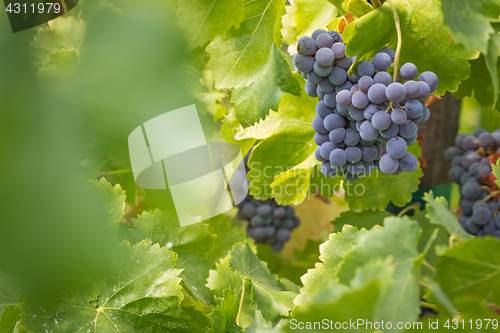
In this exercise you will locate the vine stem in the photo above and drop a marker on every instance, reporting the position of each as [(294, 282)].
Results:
[(400, 40), (491, 195), (429, 266), (238, 317), (428, 305), (376, 3), (425, 285), (415, 206), (115, 172)]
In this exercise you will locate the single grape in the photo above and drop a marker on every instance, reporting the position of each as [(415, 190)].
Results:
[(451, 152), (472, 227), (358, 125), (381, 120), (322, 71), (353, 154), (346, 86), (471, 190), (256, 221), (366, 68), (265, 210), (344, 62), (326, 86), (248, 210), (398, 116), (365, 83), (318, 126), (360, 100), (482, 216), (408, 129), (335, 35), (395, 92), (304, 63), (376, 93), (425, 91), (326, 169), (490, 228), (382, 78), (343, 110), (325, 57), (412, 89), (497, 221), (311, 89), (382, 61), (333, 121), (324, 40), (338, 157), (431, 79), (323, 110), (330, 99), (369, 153), (337, 135), (338, 76), (486, 140), (355, 113), (408, 162), (390, 52), (318, 32), (388, 165), (408, 71), (482, 171), (391, 132), (466, 206), (351, 137), (338, 50), (276, 247), (307, 46), (414, 108), (318, 155), (354, 89), (283, 235), (368, 132), (320, 94), (326, 149), (426, 113), (396, 147), (319, 139), (353, 79), (370, 110), (344, 97), (313, 77)]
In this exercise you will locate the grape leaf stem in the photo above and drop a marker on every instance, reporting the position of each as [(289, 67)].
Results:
[(238, 317), (428, 305), (400, 39), (429, 266)]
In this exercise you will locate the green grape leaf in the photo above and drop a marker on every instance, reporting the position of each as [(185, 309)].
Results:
[(62, 33), (224, 316), (112, 197), (10, 316), (252, 103), (191, 243), (470, 21), (398, 240), (338, 4), (224, 278), (376, 190), (496, 172), (60, 63), (346, 306), (425, 40), (358, 7), (230, 127), (303, 17), (366, 219), (227, 235), (294, 112), (267, 293), (9, 290), (260, 325), (143, 296), (438, 213), (242, 55), (471, 268), (492, 63), (332, 254), (203, 20)]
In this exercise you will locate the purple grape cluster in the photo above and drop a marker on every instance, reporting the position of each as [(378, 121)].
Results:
[(268, 222), (479, 212), (364, 121)]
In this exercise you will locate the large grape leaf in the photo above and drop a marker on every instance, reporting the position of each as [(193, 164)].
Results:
[(144, 296), (366, 219), (332, 254), (426, 41), (252, 103), (269, 296), (112, 197), (470, 21), (304, 16), (399, 240), (61, 33), (242, 55), (8, 319), (358, 7), (61, 63), (191, 243), (203, 20), (471, 268), (438, 213)]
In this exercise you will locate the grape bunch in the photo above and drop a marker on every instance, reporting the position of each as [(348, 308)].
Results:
[(471, 159), (268, 222), (364, 121)]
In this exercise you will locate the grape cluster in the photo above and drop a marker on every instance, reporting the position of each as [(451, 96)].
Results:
[(471, 159), (364, 121), (268, 222)]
